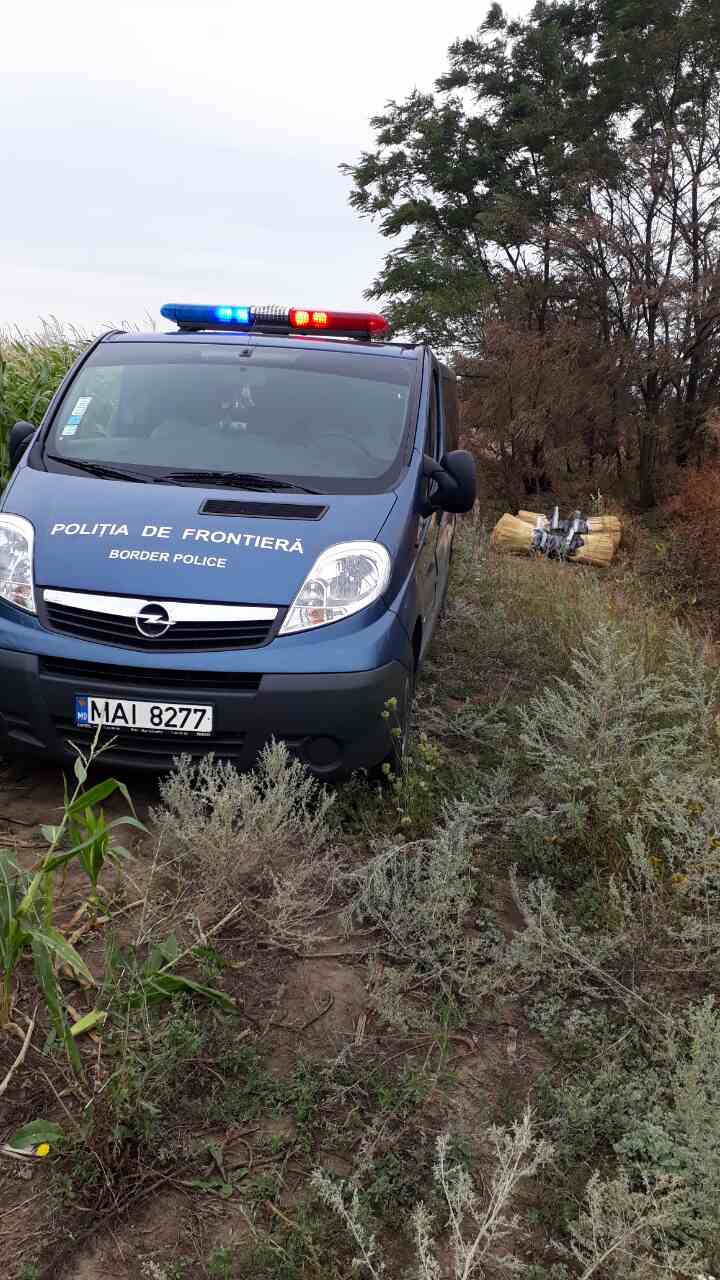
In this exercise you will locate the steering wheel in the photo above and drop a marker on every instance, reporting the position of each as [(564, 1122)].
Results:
[(354, 444)]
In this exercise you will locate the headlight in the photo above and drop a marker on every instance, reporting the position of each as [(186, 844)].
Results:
[(343, 580), (17, 538)]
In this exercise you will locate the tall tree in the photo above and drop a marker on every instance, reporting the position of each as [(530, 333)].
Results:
[(470, 177), (567, 168), (644, 245)]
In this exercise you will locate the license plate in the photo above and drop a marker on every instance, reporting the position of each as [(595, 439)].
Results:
[(124, 713)]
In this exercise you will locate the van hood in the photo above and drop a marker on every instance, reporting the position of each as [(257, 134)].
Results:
[(158, 541)]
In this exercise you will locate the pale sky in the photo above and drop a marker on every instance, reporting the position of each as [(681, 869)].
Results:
[(177, 151)]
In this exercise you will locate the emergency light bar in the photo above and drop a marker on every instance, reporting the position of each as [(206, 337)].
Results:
[(345, 324)]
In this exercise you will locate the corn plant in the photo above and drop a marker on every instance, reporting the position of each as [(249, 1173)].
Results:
[(90, 836), (86, 832), (26, 904), (12, 939), (31, 369), (21, 929)]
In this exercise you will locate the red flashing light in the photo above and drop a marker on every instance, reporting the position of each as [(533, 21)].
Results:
[(342, 322)]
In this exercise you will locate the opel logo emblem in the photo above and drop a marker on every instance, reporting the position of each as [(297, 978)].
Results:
[(153, 621)]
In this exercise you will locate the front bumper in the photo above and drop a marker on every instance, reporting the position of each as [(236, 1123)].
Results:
[(331, 721)]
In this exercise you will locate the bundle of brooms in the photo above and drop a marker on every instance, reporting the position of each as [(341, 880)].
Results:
[(595, 542), (595, 524)]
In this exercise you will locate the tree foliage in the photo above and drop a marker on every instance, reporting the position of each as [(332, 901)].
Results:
[(566, 172)]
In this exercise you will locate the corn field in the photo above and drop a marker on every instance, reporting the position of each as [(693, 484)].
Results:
[(31, 368)]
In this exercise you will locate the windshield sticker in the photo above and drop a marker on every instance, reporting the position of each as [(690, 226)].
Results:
[(75, 418), (163, 532)]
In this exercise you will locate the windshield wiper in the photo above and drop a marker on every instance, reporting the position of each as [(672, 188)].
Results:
[(237, 480), (100, 469)]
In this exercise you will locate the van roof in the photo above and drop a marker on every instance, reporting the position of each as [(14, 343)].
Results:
[(397, 350)]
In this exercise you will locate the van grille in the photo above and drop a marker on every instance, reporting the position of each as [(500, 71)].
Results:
[(154, 750), (111, 628), (168, 679)]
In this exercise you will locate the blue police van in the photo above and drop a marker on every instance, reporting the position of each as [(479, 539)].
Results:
[(235, 531)]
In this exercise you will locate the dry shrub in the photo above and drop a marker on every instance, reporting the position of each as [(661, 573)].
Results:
[(603, 740), (300, 891), (480, 1222), (223, 825), (677, 1138), (417, 898), (650, 1092), (419, 893), (696, 534), (544, 409)]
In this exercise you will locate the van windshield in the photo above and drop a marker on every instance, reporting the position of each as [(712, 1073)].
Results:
[(331, 421)]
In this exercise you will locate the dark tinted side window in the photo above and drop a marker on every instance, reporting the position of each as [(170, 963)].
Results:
[(450, 407), (431, 435)]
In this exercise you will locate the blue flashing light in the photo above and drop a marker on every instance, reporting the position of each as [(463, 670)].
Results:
[(188, 316), (241, 315)]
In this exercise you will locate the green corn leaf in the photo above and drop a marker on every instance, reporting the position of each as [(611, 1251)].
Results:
[(126, 795), (9, 877), (95, 1018), (60, 947), (118, 853), (48, 983), (35, 1132), (12, 933), (12, 941), (164, 953), (59, 859), (163, 986), (92, 861), (214, 1185), (28, 899), (96, 795), (128, 821), (169, 949)]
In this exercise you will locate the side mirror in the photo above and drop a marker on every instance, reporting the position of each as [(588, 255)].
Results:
[(19, 439), (455, 480)]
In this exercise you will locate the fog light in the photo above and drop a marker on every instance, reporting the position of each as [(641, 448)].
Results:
[(321, 753)]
